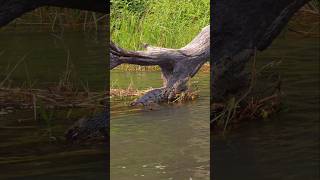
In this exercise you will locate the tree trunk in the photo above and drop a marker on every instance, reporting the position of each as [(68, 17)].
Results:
[(240, 27), (177, 65)]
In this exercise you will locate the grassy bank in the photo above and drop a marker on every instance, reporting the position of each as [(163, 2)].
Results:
[(137, 68), (55, 19), (162, 23)]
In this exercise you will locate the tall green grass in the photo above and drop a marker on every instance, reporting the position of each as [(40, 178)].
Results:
[(57, 18), (164, 23), (315, 5)]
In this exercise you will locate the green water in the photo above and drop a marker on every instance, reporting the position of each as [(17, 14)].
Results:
[(171, 142), (47, 55), (26, 149), (287, 145)]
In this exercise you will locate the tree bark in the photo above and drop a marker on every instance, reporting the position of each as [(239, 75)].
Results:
[(177, 65), (240, 27)]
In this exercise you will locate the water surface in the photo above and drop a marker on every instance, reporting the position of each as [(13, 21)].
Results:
[(26, 149), (170, 142), (287, 145)]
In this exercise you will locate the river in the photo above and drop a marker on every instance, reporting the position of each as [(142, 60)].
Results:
[(285, 146), (171, 142), (26, 149)]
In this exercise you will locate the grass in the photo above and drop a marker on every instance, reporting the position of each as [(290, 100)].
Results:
[(163, 23), (128, 95), (260, 100), (305, 23), (62, 94), (252, 105), (59, 19), (314, 5), (137, 68)]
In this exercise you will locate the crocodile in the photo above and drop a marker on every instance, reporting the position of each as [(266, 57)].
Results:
[(157, 95), (98, 125), (89, 127)]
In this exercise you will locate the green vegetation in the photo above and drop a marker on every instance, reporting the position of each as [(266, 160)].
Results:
[(315, 4), (162, 23), (55, 19)]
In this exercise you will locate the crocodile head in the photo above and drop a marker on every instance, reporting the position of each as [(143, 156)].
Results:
[(88, 128)]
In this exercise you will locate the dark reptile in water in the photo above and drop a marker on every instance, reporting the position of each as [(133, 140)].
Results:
[(89, 127), (98, 125)]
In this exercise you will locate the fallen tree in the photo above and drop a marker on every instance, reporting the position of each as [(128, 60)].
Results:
[(240, 28), (177, 65)]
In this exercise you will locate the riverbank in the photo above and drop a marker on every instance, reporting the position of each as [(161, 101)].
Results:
[(52, 19), (287, 140), (163, 23), (264, 97), (136, 68)]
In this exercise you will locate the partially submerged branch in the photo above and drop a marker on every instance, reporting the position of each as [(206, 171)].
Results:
[(177, 65)]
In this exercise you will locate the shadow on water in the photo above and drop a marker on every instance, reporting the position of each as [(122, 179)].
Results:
[(287, 145), (171, 142), (35, 149)]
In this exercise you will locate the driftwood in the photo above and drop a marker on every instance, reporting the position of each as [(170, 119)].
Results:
[(177, 65)]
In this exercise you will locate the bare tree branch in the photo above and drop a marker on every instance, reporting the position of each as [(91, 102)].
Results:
[(177, 65)]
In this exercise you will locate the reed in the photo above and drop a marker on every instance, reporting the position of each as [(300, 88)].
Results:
[(163, 23), (260, 100), (54, 19)]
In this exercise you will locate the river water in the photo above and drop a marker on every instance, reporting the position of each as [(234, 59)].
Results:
[(170, 142), (26, 149), (287, 145)]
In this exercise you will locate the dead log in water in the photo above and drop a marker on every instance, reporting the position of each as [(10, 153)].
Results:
[(177, 65)]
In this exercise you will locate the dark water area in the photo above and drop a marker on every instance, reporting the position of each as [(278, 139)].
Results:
[(47, 54), (36, 149), (285, 146), (170, 142)]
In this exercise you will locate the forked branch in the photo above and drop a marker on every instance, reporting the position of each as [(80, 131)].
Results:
[(177, 65)]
